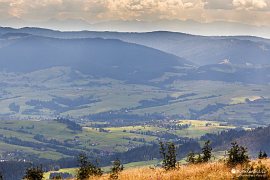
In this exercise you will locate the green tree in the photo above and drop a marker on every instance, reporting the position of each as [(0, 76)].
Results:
[(191, 158), (199, 158), (237, 155), (168, 154), (207, 152), (264, 155), (260, 156), (162, 151), (34, 173), (116, 169), (86, 168), (171, 155)]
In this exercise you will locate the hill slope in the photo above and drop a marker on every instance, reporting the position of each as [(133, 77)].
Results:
[(192, 172), (97, 57)]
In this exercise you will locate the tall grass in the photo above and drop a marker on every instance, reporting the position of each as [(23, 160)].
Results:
[(207, 171)]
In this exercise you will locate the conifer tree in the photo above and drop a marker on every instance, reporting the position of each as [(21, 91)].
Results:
[(199, 159), (237, 155), (116, 169), (260, 156), (264, 155), (34, 173), (168, 154), (206, 151), (191, 158), (87, 169), (171, 156), (162, 151)]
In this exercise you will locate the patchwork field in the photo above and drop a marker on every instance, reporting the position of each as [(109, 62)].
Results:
[(47, 139), (63, 92)]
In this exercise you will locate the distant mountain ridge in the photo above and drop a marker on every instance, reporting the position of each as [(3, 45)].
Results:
[(201, 50), (138, 57), (95, 56)]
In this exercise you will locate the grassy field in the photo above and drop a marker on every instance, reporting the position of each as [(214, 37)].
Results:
[(135, 165), (215, 170), (106, 169), (200, 127), (111, 95), (115, 139)]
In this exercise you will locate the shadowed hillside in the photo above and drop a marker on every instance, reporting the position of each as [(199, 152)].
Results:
[(97, 57)]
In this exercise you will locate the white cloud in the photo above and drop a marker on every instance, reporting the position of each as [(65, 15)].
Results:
[(244, 11), (250, 4)]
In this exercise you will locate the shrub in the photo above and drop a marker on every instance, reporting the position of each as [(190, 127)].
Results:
[(34, 173), (206, 151), (198, 158), (87, 169), (237, 155), (191, 158), (116, 169), (262, 155)]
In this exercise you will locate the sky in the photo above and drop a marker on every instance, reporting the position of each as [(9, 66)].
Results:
[(140, 15)]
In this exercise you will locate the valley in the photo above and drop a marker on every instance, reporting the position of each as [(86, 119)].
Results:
[(117, 95), (51, 140), (63, 92)]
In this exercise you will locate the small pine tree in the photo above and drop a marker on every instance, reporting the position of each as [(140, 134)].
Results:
[(191, 158), (86, 168), (264, 155), (260, 156), (162, 151), (171, 156), (237, 155), (116, 169), (199, 159), (207, 152), (168, 154), (34, 173)]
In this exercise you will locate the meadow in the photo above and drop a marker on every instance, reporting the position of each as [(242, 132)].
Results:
[(110, 139), (207, 171), (63, 92)]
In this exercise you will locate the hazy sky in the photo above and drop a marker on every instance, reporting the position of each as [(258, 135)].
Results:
[(24, 12)]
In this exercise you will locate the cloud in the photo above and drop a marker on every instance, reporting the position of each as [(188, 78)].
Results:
[(244, 11), (250, 4)]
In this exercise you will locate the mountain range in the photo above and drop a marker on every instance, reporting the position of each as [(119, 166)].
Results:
[(134, 56)]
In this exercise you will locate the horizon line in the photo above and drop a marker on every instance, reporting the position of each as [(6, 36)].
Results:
[(137, 32)]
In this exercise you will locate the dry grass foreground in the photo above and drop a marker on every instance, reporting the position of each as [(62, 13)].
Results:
[(209, 171)]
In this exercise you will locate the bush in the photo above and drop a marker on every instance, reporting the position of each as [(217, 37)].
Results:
[(191, 158), (86, 168), (206, 151), (198, 158), (116, 169), (237, 155), (34, 173), (262, 155)]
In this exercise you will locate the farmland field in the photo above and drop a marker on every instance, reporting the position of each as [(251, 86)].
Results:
[(21, 135), (60, 94)]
